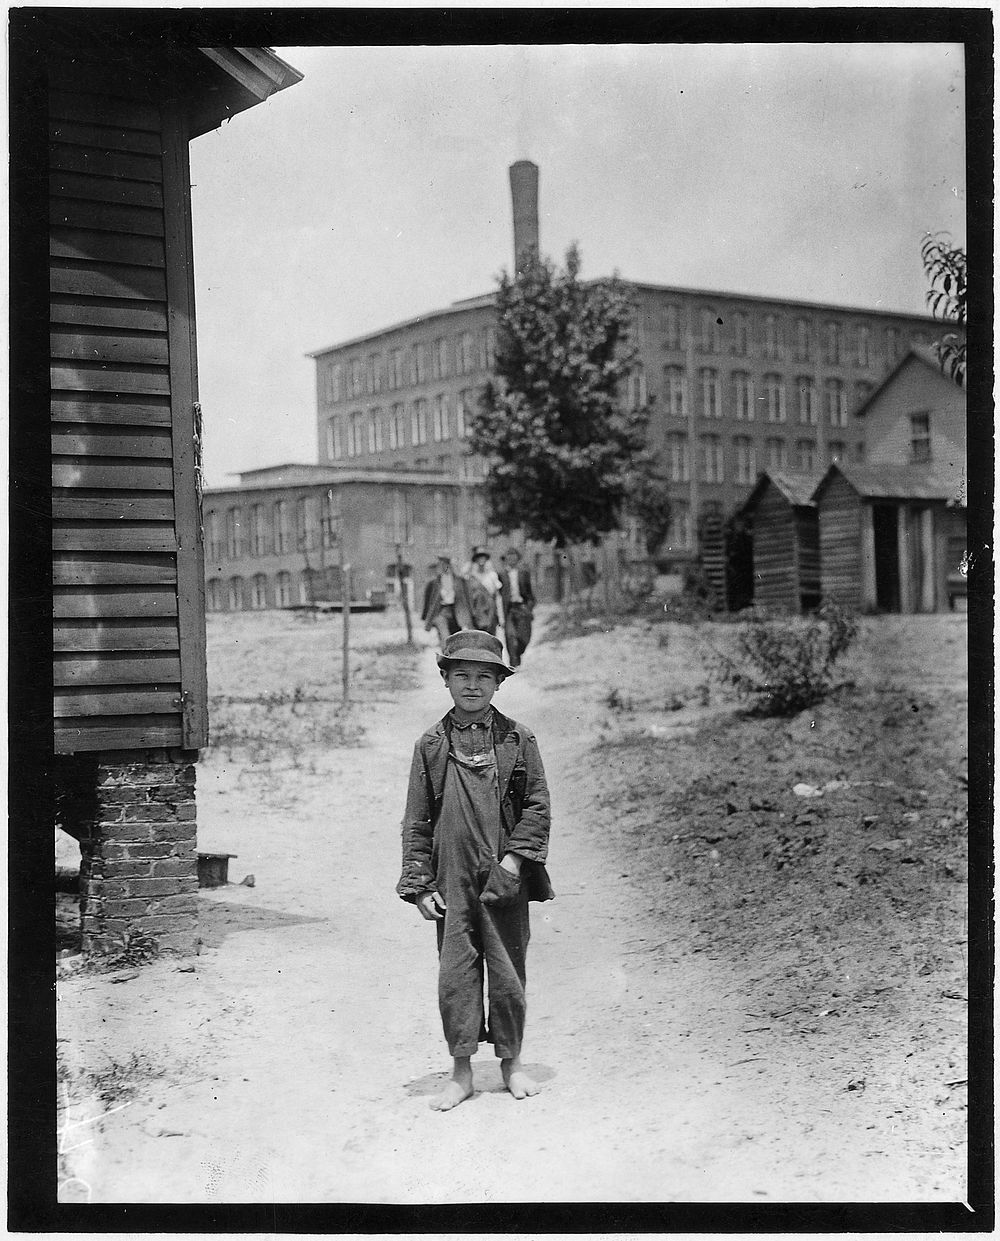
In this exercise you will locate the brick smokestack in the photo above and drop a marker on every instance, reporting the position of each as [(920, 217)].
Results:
[(524, 195)]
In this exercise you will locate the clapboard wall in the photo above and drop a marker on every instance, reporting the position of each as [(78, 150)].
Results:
[(128, 630), (840, 542)]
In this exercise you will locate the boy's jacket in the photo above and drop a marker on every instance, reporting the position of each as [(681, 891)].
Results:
[(524, 807)]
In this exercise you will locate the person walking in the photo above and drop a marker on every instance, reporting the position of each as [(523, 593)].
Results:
[(484, 586), (447, 602), (518, 599)]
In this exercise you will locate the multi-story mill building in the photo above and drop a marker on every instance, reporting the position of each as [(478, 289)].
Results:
[(737, 383)]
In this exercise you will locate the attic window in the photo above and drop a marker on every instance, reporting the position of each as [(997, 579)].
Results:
[(920, 437)]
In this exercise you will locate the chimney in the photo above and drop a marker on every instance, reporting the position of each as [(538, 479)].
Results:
[(524, 195)]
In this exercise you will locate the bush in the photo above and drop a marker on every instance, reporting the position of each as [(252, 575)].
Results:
[(783, 664)]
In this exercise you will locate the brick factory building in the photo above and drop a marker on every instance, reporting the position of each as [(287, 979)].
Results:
[(739, 384)]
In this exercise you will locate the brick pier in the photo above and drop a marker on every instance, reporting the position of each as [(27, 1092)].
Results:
[(134, 816)]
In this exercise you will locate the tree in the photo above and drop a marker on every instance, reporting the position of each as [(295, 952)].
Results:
[(565, 455), (650, 503), (944, 265)]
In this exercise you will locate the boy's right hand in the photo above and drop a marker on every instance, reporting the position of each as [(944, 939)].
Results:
[(432, 906)]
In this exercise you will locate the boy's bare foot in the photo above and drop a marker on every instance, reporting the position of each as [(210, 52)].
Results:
[(457, 1090), (516, 1080)]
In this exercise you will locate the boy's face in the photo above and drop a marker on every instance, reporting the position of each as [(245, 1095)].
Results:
[(472, 686)]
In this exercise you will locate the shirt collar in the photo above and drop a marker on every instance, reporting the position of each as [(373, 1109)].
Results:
[(485, 722)]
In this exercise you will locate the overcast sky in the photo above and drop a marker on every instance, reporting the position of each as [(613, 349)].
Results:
[(376, 189)]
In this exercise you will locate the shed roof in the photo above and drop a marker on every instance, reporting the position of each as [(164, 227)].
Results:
[(292, 475), (796, 488), (897, 482)]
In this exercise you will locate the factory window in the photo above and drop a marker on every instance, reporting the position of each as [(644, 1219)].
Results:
[(439, 358), (258, 592), (212, 540), (837, 450), (741, 334), (442, 518), (465, 362), (713, 469), (419, 371), (334, 444), (282, 527), (375, 373), (891, 344), (635, 387), (711, 334), (678, 458), (307, 522), (743, 395), (330, 521), (863, 345), (833, 340), (307, 591), (283, 590), (806, 386), (334, 382), (803, 340), (920, 437), (836, 403), (679, 531), (777, 454), (772, 337), (774, 395), (418, 422), (711, 393), (805, 452), (670, 325), (376, 430), (357, 377), (746, 459), (397, 426), (489, 347), (400, 519), (236, 594), (214, 594), (441, 430), (258, 531), (355, 434), (463, 414), (673, 390), (234, 533), (396, 369)]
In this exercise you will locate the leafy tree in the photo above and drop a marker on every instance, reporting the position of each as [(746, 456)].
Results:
[(650, 503), (944, 265), (565, 454)]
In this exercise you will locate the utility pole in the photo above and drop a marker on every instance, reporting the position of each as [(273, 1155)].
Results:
[(403, 594), (336, 528)]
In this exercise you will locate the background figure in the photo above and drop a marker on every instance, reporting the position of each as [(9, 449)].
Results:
[(484, 587), (518, 600), (447, 604)]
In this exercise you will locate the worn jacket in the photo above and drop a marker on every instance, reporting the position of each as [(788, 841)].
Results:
[(524, 807), (523, 585), (463, 602)]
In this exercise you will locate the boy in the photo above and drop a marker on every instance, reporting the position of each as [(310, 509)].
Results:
[(475, 839)]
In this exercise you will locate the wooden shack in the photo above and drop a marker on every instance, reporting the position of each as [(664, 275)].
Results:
[(785, 542), (890, 536), (124, 582)]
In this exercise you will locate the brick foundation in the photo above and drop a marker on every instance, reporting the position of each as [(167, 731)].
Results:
[(134, 816)]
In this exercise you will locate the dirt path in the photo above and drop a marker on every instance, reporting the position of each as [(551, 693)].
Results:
[(294, 1059)]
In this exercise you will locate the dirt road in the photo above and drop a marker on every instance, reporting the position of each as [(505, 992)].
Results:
[(294, 1059)]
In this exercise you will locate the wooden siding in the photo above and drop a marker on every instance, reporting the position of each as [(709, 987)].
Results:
[(807, 533), (775, 554), (840, 543), (121, 412)]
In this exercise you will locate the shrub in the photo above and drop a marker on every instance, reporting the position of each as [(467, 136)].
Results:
[(783, 664)]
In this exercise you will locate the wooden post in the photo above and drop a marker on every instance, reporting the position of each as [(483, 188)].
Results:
[(404, 595), (345, 586)]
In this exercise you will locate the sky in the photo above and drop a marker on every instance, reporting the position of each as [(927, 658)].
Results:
[(376, 190)]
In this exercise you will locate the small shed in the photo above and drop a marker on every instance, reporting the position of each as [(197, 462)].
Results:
[(890, 536), (785, 541)]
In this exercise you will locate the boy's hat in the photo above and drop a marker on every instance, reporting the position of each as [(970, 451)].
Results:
[(480, 551), (476, 645)]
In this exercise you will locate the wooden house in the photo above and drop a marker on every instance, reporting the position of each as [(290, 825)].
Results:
[(105, 113), (785, 541), (890, 536)]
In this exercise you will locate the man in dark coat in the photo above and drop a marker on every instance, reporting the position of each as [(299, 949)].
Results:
[(447, 605), (518, 605)]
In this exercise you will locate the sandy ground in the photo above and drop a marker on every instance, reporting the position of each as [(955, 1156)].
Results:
[(706, 1026)]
